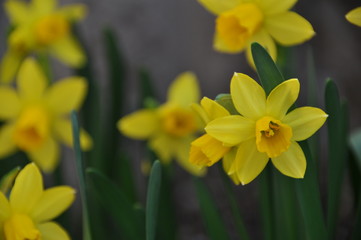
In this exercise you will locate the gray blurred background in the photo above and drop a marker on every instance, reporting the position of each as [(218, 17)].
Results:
[(168, 37)]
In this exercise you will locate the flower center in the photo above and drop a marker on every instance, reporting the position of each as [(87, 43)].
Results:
[(236, 26), (272, 136), (51, 28), (178, 121), (32, 128), (20, 227)]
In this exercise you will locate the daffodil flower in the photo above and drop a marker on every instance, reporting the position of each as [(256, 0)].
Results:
[(239, 23), (354, 16), (29, 211), (206, 150), (41, 27), (36, 117), (171, 127), (265, 129)]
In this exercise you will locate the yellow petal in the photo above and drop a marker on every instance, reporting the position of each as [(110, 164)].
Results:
[(63, 131), (9, 65), (164, 147), (52, 203), (74, 12), (305, 121), (6, 140), (31, 80), (52, 231), (289, 28), (182, 149), (201, 113), (17, 11), (43, 7), (354, 16), (282, 97), (291, 163), (216, 6), (184, 90), (213, 109), (27, 190), (263, 38), (227, 163), (249, 163), (68, 51), (10, 105), (248, 96), (140, 124), (47, 156), (231, 130), (4, 207), (66, 95), (271, 7)]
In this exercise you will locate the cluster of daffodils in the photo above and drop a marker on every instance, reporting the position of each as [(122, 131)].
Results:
[(263, 130), (172, 126), (29, 211), (239, 23), (40, 27), (37, 116)]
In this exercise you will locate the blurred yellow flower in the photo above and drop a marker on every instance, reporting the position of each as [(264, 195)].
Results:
[(36, 117), (41, 27), (354, 16), (264, 129), (239, 23), (206, 150), (29, 211), (172, 126)]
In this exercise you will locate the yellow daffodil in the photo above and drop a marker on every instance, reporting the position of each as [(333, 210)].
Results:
[(206, 150), (36, 117), (172, 126), (242, 22), (354, 16), (265, 129), (29, 211), (41, 27)]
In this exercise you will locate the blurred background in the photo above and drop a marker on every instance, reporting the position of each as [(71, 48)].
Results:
[(168, 37)]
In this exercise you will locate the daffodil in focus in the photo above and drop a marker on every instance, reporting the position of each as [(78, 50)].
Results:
[(40, 27), (265, 129), (354, 16), (28, 212), (36, 116), (206, 150), (239, 23), (171, 127)]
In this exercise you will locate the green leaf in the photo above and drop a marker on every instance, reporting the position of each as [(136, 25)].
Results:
[(210, 215), (283, 207), (337, 142), (267, 70), (312, 100), (167, 225), (266, 203), (153, 200), (117, 204), (355, 144), (7, 181), (81, 177), (236, 213), (147, 94), (225, 100), (308, 194)]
